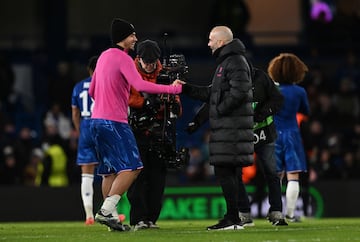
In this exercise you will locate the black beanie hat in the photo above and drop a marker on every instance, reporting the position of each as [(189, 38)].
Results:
[(149, 51), (120, 30)]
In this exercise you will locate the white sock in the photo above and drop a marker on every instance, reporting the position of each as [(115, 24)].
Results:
[(292, 194), (87, 192), (109, 205)]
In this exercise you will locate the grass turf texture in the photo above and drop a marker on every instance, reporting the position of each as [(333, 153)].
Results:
[(337, 230)]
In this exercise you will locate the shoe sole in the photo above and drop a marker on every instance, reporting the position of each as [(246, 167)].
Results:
[(140, 228), (293, 220), (124, 228), (252, 224), (280, 223), (112, 226), (118, 230), (231, 227)]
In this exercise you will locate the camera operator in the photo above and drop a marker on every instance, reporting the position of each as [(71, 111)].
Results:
[(147, 114)]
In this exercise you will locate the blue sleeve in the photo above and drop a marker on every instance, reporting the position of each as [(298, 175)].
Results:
[(304, 107), (74, 99)]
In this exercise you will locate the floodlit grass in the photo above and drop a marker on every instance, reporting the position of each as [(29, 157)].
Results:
[(337, 230)]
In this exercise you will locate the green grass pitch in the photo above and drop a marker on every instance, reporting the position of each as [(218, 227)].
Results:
[(325, 229)]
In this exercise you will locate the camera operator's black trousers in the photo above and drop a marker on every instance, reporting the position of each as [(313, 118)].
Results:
[(146, 193)]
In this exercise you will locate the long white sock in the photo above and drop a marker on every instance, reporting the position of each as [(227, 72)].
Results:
[(109, 205), (87, 193), (292, 194)]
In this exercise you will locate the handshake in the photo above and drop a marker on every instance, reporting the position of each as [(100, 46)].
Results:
[(178, 82)]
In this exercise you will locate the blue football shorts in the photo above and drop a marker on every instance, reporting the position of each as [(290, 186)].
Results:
[(116, 147), (86, 154), (289, 150)]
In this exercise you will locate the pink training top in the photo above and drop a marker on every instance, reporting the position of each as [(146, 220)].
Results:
[(115, 72)]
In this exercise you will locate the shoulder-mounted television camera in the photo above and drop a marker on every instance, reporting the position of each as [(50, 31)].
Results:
[(174, 67)]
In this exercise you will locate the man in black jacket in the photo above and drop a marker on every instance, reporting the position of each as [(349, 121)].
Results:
[(267, 101), (230, 98)]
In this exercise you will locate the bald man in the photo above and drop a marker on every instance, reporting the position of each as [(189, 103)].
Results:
[(230, 99)]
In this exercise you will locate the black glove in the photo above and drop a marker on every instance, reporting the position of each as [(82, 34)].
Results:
[(192, 127)]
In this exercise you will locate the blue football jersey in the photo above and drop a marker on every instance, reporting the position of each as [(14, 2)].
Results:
[(81, 98)]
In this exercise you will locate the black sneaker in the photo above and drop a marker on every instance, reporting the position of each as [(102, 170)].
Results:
[(225, 224), (152, 225), (276, 218), (112, 222), (280, 222), (140, 225), (246, 220)]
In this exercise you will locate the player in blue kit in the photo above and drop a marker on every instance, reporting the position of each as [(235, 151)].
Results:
[(81, 104), (288, 70)]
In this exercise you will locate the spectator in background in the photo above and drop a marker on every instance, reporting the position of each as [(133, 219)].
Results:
[(54, 167), (56, 119), (349, 169), (31, 171), (81, 107), (10, 172), (23, 146), (288, 70), (53, 170)]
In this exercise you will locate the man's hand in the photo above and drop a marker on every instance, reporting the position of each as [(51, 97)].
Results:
[(178, 82)]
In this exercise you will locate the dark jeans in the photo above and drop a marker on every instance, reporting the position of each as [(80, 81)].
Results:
[(265, 161)]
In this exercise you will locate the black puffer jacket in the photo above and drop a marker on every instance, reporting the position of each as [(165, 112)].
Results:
[(268, 100), (230, 107)]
